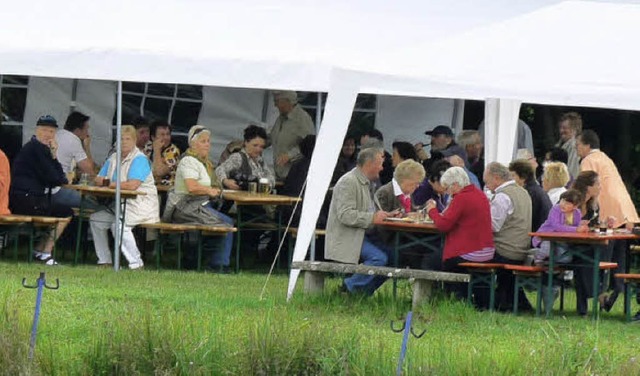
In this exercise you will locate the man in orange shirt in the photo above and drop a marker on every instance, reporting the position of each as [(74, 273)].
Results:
[(614, 198), (615, 203), (5, 183)]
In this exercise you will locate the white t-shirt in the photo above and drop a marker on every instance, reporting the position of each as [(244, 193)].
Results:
[(70, 150), (190, 168)]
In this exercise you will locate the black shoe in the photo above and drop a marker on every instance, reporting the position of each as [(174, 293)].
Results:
[(219, 269), (636, 317), (343, 289), (606, 303)]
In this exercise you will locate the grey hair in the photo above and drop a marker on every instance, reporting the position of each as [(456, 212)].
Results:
[(468, 137), (372, 142), (455, 175), (499, 170), (368, 154), (409, 169)]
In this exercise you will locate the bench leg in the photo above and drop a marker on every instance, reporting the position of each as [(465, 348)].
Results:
[(15, 246), (179, 251), (158, 249), (627, 301), (493, 282), (515, 295), (539, 288), (421, 292), (313, 282)]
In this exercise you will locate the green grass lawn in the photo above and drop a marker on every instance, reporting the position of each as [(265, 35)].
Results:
[(167, 322)]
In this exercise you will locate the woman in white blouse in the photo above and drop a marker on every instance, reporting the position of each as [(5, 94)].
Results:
[(554, 180)]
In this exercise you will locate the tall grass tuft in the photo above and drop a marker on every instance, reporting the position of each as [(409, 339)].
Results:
[(129, 346), (14, 344), (280, 347)]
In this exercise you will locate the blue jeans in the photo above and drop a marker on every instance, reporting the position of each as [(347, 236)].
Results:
[(220, 245), (69, 198), (374, 254)]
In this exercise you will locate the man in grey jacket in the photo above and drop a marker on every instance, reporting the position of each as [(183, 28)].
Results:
[(350, 236), (290, 128)]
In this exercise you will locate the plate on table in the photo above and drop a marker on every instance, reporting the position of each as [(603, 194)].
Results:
[(405, 219)]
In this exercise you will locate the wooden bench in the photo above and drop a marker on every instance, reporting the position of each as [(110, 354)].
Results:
[(315, 272), (293, 231), (181, 229), (631, 288), (531, 276), (46, 222), (14, 222), (482, 274), (36, 222)]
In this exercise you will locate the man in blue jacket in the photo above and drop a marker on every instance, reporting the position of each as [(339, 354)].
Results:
[(35, 173)]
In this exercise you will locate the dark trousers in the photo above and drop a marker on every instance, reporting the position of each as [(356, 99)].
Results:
[(480, 294), (583, 277), (616, 252), (506, 287)]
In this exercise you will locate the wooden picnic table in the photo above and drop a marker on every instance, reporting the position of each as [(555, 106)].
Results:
[(244, 200), (89, 190), (410, 233), (594, 238)]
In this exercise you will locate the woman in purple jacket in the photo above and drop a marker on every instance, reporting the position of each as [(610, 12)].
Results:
[(563, 217)]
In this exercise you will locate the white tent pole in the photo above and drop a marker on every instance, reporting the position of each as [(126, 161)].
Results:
[(340, 103), (116, 264), (312, 249)]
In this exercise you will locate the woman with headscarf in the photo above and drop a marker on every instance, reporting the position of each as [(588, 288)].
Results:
[(196, 184)]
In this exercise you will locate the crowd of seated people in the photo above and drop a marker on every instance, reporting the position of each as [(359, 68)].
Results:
[(369, 185), (514, 204)]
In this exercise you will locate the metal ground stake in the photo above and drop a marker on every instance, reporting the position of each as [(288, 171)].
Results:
[(407, 327), (41, 283)]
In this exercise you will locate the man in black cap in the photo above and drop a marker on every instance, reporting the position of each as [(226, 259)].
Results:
[(442, 141), (36, 171)]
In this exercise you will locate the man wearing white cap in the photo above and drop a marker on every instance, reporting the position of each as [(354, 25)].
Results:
[(290, 128)]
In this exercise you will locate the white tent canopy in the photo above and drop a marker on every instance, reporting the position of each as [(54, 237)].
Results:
[(256, 44), (459, 49)]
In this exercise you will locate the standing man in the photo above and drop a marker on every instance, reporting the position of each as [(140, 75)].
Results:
[(74, 150), (570, 125), (616, 206), (442, 140), (511, 224), (164, 155), (290, 128), (350, 234), (471, 142), (614, 198)]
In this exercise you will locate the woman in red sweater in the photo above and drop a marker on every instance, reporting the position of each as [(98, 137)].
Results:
[(466, 221), (467, 225)]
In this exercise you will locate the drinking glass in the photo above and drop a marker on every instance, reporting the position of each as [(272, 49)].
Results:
[(253, 188), (84, 179)]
